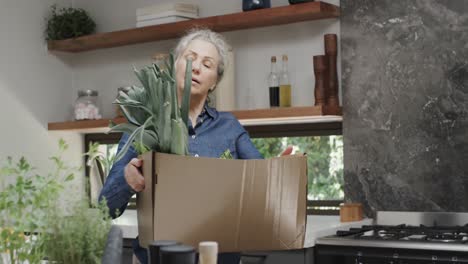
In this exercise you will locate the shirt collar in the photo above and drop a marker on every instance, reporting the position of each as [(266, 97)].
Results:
[(209, 110)]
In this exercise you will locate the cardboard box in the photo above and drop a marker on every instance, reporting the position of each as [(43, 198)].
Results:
[(244, 205)]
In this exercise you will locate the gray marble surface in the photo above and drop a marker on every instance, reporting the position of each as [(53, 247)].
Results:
[(405, 100)]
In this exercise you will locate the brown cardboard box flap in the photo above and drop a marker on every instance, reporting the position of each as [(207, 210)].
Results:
[(244, 205), (145, 200)]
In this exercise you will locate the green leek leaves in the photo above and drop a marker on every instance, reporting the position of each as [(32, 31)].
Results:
[(155, 120)]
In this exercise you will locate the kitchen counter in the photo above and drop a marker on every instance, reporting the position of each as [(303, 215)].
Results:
[(317, 226)]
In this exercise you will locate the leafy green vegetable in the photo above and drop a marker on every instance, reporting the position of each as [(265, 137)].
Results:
[(155, 120), (226, 155)]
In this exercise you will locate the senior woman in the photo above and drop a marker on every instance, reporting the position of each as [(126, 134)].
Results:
[(210, 132)]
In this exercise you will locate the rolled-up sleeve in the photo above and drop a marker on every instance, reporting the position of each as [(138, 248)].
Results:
[(116, 190)]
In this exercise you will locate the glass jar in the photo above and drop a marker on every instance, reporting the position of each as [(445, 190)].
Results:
[(87, 106)]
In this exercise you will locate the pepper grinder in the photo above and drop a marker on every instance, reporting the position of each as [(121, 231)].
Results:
[(154, 249), (320, 71), (177, 254), (331, 52)]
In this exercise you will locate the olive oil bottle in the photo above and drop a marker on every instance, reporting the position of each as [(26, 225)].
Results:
[(285, 84)]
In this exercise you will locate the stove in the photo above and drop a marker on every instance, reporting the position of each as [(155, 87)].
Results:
[(399, 237)]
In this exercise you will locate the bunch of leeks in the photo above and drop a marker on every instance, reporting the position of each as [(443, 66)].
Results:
[(155, 120)]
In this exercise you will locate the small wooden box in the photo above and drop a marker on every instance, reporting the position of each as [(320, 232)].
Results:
[(350, 212)]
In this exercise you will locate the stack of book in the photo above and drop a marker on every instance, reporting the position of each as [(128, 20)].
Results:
[(165, 13)]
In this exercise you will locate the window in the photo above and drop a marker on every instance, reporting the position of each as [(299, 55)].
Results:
[(323, 147), (325, 167), (324, 162)]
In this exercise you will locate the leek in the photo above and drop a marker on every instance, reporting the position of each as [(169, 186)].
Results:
[(155, 120)]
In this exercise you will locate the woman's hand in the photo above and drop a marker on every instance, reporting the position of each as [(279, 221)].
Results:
[(133, 175)]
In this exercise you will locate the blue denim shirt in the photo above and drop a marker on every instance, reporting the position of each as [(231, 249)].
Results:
[(213, 133)]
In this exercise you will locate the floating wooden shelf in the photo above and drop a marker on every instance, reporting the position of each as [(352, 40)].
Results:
[(243, 20), (84, 124), (257, 117), (281, 112)]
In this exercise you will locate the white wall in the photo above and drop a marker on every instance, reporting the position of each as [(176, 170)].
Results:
[(106, 70), (34, 85)]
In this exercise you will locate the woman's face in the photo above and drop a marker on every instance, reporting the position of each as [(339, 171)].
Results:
[(205, 59)]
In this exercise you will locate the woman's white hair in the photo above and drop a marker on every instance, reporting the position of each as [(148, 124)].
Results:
[(210, 36)]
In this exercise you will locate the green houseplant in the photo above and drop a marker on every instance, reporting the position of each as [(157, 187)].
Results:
[(99, 164), (68, 22), (31, 227)]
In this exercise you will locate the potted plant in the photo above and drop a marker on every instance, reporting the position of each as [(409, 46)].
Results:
[(99, 164), (32, 225), (68, 22)]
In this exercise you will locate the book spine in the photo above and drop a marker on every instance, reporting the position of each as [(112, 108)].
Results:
[(166, 14), (169, 7)]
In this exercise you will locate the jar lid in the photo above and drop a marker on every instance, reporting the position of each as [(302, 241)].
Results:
[(87, 93)]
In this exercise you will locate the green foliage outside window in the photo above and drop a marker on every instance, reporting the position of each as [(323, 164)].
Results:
[(324, 161)]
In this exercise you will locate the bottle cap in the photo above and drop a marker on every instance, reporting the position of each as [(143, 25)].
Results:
[(88, 93), (273, 58), (285, 57)]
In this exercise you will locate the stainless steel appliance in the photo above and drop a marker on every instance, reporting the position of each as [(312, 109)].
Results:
[(399, 237)]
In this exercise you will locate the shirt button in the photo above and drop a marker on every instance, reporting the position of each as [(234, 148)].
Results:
[(193, 136), (196, 155)]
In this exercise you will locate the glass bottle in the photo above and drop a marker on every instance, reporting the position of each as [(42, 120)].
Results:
[(273, 84), (285, 84)]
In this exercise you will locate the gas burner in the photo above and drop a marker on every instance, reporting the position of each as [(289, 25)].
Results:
[(428, 238), (439, 234), (447, 238)]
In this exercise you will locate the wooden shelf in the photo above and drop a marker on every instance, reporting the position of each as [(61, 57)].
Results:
[(281, 112), (84, 124), (257, 117), (243, 20)]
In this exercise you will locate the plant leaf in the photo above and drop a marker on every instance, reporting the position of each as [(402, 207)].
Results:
[(187, 89)]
